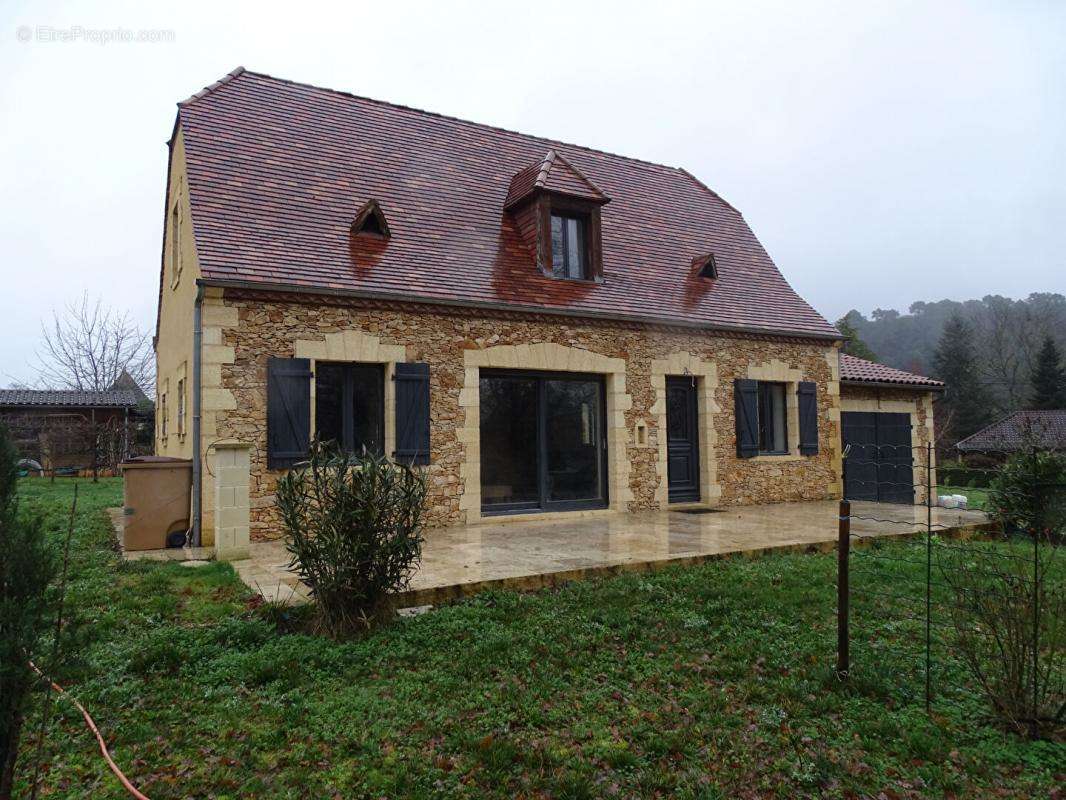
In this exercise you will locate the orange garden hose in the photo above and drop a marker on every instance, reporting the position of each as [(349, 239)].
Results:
[(100, 739)]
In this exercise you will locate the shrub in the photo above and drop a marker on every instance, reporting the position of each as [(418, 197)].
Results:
[(1009, 607), (1026, 493), (353, 529), (26, 568)]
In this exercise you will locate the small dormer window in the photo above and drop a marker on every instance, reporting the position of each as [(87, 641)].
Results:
[(569, 250), (372, 225), (706, 266), (370, 221)]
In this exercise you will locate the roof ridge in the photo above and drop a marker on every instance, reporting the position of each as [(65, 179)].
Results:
[(551, 142), (229, 76), (546, 165), (709, 190)]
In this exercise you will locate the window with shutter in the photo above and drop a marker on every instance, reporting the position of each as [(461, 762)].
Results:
[(288, 411), (412, 413), (773, 429), (808, 418)]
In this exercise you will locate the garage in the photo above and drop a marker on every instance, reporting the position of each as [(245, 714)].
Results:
[(880, 462)]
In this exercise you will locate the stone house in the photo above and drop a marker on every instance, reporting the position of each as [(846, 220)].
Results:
[(546, 328)]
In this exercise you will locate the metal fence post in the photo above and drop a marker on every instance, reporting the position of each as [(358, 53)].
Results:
[(1038, 522), (928, 575), (843, 589)]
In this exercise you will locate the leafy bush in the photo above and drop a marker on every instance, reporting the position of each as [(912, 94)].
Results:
[(27, 566), (1009, 608), (1026, 494), (353, 529)]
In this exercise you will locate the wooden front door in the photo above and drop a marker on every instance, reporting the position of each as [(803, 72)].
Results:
[(682, 440)]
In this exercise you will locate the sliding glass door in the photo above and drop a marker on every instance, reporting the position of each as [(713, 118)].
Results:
[(509, 443), (543, 445)]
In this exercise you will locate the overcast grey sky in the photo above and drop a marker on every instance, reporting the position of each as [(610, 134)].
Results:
[(883, 152)]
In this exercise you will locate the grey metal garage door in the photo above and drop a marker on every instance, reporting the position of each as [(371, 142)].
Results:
[(880, 464)]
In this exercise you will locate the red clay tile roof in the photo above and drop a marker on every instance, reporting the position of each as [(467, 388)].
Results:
[(553, 173), (1044, 429), (278, 170), (859, 370)]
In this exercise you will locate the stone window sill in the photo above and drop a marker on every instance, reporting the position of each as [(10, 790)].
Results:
[(776, 457)]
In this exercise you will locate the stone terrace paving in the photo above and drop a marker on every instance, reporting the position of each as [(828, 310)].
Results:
[(529, 553)]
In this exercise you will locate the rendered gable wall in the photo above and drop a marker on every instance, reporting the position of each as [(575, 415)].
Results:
[(173, 348)]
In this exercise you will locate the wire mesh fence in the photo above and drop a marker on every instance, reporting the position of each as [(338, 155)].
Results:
[(970, 590)]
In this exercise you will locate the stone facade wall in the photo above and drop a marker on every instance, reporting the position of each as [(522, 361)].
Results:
[(919, 404), (447, 340)]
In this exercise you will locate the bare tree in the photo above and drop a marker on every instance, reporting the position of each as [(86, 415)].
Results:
[(1002, 328), (89, 346)]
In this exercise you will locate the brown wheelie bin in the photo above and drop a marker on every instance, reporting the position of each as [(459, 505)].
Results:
[(156, 495)]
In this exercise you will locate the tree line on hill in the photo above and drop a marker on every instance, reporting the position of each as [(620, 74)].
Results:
[(996, 355)]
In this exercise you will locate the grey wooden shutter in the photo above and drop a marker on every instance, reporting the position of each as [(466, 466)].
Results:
[(746, 404), (808, 418), (288, 411), (412, 413)]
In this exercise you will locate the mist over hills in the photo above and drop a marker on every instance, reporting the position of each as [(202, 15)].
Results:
[(1008, 336)]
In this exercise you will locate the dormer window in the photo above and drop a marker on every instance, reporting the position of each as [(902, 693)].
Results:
[(569, 251), (370, 221), (557, 211), (706, 266)]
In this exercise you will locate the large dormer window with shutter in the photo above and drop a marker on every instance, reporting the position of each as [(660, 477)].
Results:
[(557, 211)]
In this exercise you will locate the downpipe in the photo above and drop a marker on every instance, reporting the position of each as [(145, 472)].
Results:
[(197, 461)]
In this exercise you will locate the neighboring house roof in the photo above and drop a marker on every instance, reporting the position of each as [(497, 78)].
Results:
[(70, 398), (1046, 429), (277, 171), (859, 370)]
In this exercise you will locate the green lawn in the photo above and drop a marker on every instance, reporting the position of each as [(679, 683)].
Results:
[(709, 682)]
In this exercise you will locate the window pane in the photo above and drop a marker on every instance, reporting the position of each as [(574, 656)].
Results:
[(367, 401), (509, 462), (575, 247), (772, 430), (349, 406), (777, 394), (573, 430), (329, 402), (558, 247)]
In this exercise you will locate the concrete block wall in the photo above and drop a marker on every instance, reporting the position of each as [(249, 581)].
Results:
[(232, 476)]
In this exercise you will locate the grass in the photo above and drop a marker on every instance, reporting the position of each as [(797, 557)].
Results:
[(702, 682)]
